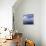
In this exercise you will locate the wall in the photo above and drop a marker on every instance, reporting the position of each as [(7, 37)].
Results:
[(6, 13), (43, 22), (29, 31)]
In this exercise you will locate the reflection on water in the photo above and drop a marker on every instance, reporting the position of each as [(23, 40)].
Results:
[(13, 44)]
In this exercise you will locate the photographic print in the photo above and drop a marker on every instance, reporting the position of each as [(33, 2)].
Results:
[(28, 19)]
